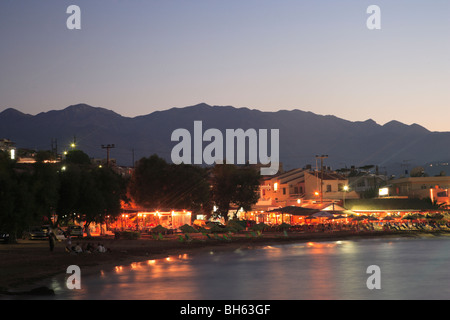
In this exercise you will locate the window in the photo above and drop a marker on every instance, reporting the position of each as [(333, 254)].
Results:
[(284, 190), (328, 187)]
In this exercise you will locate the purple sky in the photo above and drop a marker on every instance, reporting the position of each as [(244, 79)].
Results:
[(139, 56)]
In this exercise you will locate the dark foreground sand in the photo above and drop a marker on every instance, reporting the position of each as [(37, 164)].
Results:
[(24, 264)]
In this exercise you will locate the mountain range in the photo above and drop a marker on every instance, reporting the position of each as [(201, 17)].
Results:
[(303, 135)]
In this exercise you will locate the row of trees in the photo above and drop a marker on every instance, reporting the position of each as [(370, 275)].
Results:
[(35, 193), (158, 184)]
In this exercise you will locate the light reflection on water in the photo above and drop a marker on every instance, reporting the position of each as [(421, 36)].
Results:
[(410, 269)]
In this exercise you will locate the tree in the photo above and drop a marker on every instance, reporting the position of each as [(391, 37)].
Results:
[(223, 187), (159, 185), (109, 188), (88, 191), (33, 193), (148, 185), (189, 187), (234, 185), (69, 189), (247, 182), (16, 205), (91, 192), (45, 185), (77, 157)]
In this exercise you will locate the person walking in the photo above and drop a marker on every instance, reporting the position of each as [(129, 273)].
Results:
[(68, 243), (51, 240)]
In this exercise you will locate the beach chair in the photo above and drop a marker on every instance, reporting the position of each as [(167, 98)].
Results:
[(285, 233), (160, 236), (207, 235), (188, 237), (180, 238)]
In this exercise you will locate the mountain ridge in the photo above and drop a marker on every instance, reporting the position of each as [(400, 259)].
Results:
[(303, 134)]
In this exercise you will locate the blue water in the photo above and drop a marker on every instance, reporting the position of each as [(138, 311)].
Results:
[(409, 269)]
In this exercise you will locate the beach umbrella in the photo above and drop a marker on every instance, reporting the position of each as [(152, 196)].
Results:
[(322, 214), (387, 218), (337, 217), (413, 216), (434, 216), (358, 218)]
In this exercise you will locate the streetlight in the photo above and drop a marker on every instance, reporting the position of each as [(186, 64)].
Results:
[(345, 188)]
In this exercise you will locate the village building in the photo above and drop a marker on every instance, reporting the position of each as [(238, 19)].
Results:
[(435, 188)]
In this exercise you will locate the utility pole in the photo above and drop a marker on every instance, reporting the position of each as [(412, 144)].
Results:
[(107, 147), (324, 156)]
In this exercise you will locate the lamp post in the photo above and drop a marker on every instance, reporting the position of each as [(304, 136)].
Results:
[(345, 190)]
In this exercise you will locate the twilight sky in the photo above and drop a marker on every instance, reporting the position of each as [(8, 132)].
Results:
[(139, 56)]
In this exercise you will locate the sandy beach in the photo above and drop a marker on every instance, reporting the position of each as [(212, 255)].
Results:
[(24, 264)]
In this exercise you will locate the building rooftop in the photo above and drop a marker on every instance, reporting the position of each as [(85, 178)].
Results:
[(391, 204)]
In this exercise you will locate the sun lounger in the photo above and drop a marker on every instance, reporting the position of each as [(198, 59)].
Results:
[(207, 236)]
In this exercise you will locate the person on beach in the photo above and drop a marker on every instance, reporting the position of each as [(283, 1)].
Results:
[(51, 240), (101, 248), (68, 243), (78, 248)]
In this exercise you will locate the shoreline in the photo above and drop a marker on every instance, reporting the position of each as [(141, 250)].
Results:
[(29, 263)]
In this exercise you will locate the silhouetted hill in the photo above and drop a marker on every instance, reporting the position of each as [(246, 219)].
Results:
[(302, 134)]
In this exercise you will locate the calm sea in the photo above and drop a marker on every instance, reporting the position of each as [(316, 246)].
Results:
[(408, 269)]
